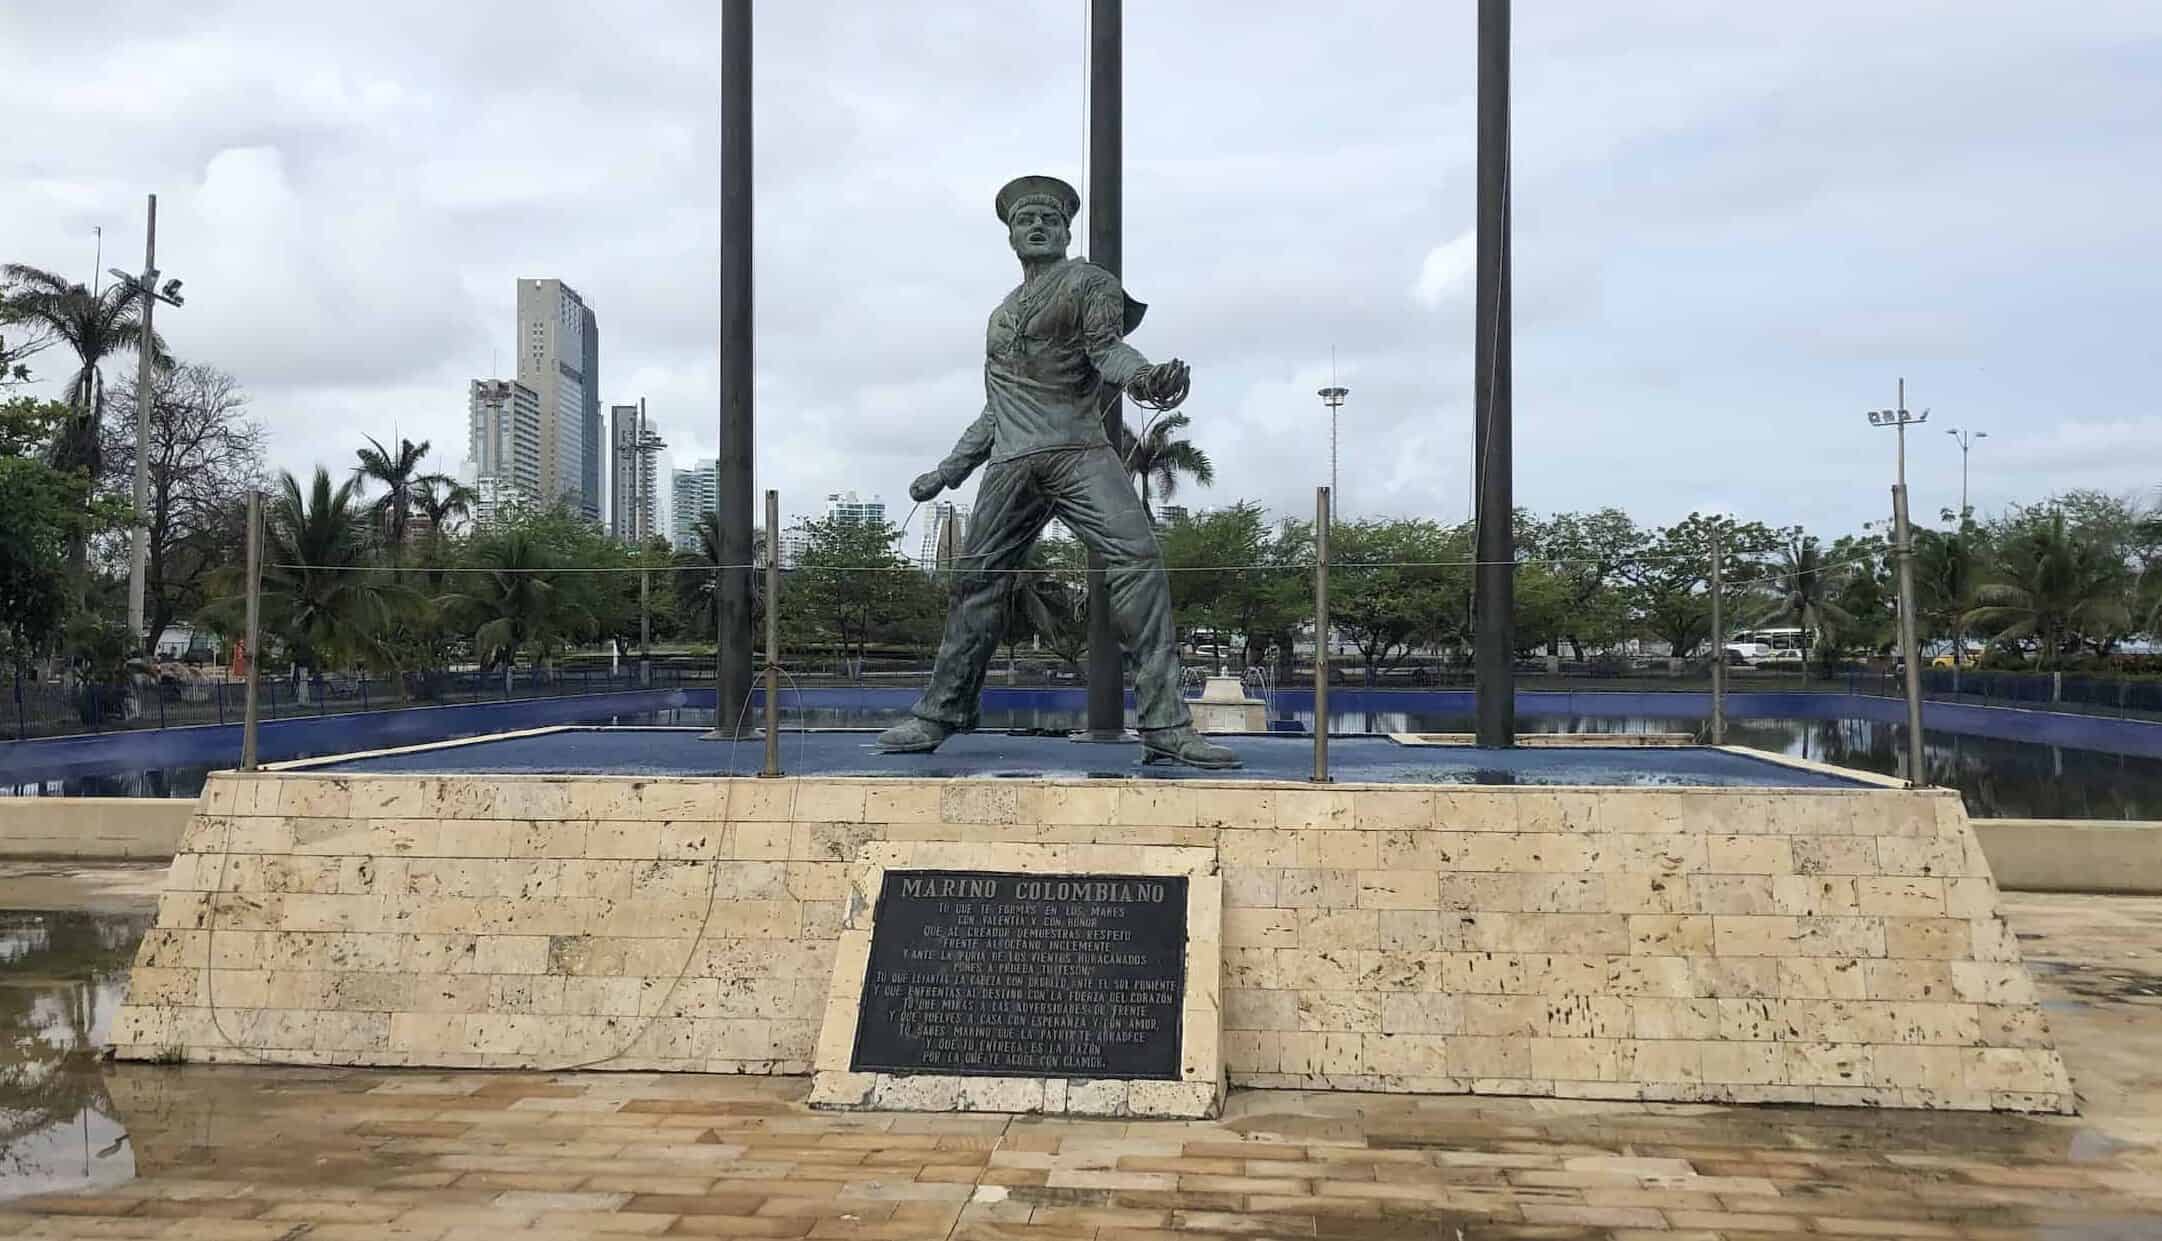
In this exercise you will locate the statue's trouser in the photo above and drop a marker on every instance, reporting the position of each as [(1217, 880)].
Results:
[(1087, 489)]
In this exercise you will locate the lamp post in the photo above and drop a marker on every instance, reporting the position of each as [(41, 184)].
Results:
[(1903, 544), (146, 287), (1965, 440), (1333, 397)]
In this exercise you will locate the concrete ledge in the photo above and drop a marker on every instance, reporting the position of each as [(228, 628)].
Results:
[(134, 828), (2074, 855)]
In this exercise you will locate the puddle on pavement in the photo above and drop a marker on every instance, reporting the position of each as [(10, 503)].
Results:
[(2097, 982), (62, 976)]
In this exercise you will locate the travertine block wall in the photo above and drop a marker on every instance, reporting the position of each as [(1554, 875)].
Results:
[(1692, 944)]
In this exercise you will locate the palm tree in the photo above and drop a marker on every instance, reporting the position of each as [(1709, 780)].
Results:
[(399, 472), (2054, 587), (513, 604), (95, 326), (320, 599), (697, 578), (442, 501), (1158, 458), (1945, 567), (1803, 588)]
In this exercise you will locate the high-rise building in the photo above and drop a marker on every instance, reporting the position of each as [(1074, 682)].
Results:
[(504, 438), (694, 492), (844, 506), (633, 460), (559, 358), (1169, 515), (941, 540), (795, 541)]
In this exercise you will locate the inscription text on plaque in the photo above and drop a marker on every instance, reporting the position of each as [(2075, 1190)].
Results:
[(981, 973)]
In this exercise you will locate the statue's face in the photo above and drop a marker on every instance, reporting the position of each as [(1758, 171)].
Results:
[(1037, 231)]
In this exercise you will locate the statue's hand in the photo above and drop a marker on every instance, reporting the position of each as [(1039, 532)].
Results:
[(1166, 383), (927, 484)]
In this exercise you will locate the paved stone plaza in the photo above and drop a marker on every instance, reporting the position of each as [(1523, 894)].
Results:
[(340, 1153)]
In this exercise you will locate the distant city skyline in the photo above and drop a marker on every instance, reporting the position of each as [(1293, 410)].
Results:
[(559, 358)]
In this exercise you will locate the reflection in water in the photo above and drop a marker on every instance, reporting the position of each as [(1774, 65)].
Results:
[(61, 980)]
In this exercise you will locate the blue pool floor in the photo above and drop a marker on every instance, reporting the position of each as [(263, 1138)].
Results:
[(839, 752)]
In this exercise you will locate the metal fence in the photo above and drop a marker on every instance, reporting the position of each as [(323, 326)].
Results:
[(2068, 692), (57, 709)]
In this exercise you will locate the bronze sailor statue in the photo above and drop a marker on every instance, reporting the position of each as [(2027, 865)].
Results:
[(1055, 355)]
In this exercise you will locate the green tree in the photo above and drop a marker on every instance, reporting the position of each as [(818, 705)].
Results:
[(1159, 458), (443, 502), (95, 326), (1048, 601), (852, 587), (1669, 580), (1587, 553), (322, 603), (695, 583), (205, 456), (400, 474), (1947, 569), (1398, 585), (41, 512), (512, 603), (2053, 588), (1228, 576), (1801, 587)]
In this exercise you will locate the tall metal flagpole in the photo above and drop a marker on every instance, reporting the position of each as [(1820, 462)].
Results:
[(1495, 647), (1106, 156), (732, 684)]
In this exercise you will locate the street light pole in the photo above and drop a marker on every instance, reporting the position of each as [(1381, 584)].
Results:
[(1903, 544), (1965, 439), (146, 287), (1333, 397)]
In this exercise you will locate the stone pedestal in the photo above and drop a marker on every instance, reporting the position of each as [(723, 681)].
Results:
[(1224, 708), (1830, 946)]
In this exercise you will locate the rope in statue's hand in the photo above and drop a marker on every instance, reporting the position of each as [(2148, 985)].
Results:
[(1162, 387)]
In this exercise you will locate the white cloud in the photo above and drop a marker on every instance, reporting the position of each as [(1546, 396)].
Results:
[(1447, 270), (1733, 229)]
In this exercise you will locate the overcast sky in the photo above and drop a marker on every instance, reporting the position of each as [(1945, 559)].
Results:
[(1736, 226)]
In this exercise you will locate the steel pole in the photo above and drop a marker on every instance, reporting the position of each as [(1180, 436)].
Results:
[(139, 535), (773, 635), (732, 670), (1321, 635), (1719, 648), (1106, 159), (254, 650), (641, 496), (1903, 538), (1495, 645)]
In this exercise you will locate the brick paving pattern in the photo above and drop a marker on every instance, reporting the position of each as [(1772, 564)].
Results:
[(368, 1154)]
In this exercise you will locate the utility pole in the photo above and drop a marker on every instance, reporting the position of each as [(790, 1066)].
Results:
[(1903, 544), (253, 651), (732, 670), (1965, 440), (146, 287), (1493, 461), (1333, 397), (1106, 163)]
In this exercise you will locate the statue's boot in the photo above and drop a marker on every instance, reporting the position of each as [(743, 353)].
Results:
[(913, 735), (1184, 745)]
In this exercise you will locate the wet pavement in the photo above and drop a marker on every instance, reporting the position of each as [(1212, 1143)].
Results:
[(325, 1154)]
